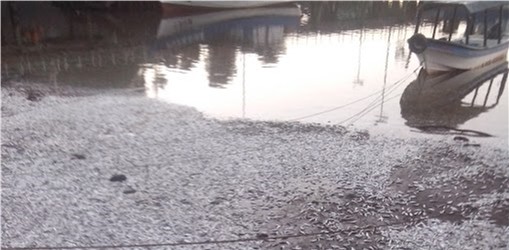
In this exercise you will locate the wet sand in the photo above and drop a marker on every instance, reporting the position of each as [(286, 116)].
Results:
[(189, 178)]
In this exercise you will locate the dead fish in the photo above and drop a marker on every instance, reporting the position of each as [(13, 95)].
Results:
[(262, 236), (461, 138)]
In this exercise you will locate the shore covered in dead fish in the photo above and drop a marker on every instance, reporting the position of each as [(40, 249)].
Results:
[(121, 169)]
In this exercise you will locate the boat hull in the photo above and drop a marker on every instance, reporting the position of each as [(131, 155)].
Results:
[(224, 4), (183, 30), (441, 56)]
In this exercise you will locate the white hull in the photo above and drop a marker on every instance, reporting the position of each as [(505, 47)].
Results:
[(435, 61), (172, 26), (225, 4)]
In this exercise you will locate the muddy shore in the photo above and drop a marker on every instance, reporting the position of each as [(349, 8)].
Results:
[(81, 168)]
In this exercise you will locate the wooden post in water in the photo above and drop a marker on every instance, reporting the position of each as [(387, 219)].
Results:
[(99, 59), (115, 37), (89, 27), (58, 64), (6, 69), (113, 59), (79, 62), (66, 65), (29, 66), (44, 65), (15, 23), (92, 58), (53, 72), (125, 57), (21, 69)]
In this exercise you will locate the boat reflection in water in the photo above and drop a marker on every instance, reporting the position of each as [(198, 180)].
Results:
[(441, 103), (219, 35)]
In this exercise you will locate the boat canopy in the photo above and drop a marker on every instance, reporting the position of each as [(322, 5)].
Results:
[(461, 10), (486, 19)]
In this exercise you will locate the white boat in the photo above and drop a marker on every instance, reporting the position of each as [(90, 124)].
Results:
[(224, 4), (465, 35), (192, 28)]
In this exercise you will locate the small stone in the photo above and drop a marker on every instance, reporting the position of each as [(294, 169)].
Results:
[(130, 191), (78, 156), (184, 201), (215, 202), (33, 95), (262, 236), (118, 177)]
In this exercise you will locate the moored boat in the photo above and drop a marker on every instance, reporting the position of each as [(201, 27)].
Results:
[(465, 35), (224, 4), (188, 29), (193, 7)]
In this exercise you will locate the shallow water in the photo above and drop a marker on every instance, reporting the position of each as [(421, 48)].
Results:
[(350, 67)]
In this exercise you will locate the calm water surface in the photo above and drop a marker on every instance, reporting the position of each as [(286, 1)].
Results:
[(333, 63)]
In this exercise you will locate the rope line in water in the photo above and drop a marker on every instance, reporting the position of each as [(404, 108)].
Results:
[(377, 102), (355, 101), (335, 108), (374, 107)]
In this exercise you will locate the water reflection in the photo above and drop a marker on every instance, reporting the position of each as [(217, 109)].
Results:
[(450, 100), (291, 62), (325, 17), (222, 34), (260, 64), (61, 45)]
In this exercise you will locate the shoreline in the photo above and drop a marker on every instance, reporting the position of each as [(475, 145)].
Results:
[(191, 178)]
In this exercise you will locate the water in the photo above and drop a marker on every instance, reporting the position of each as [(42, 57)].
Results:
[(342, 63)]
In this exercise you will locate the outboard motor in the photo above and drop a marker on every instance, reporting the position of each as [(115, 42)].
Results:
[(417, 43)]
